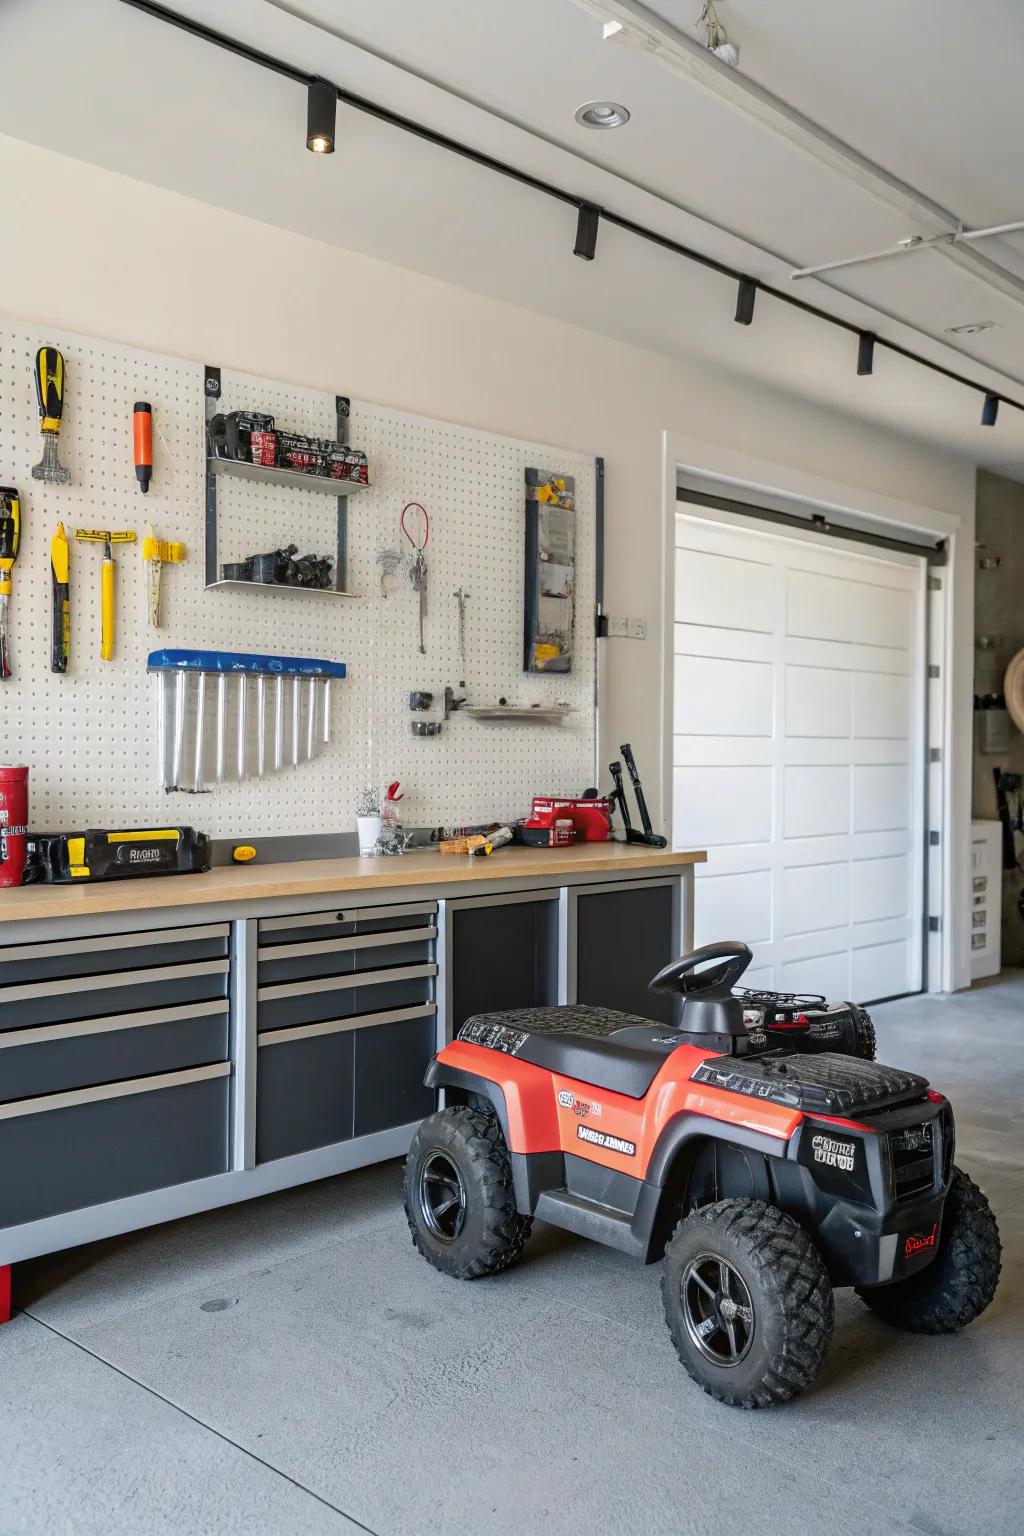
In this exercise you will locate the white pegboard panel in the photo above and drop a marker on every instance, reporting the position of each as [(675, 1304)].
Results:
[(89, 737)]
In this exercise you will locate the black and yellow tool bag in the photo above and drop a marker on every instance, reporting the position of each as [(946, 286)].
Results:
[(62, 857)]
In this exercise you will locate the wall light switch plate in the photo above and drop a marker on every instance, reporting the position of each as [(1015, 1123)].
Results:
[(627, 629), (995, 730)]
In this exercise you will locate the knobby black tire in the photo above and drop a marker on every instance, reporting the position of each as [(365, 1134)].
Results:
[(494, 1233), (960, 1284), (790, 1293), (864, 1032)]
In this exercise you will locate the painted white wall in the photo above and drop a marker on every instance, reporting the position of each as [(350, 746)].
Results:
[(116, 258)]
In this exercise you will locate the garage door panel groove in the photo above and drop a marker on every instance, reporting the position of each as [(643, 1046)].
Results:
[(798, 754)]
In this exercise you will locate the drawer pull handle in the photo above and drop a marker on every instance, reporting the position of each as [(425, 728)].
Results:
[(340, 946), (41, 1034), (111, 979), (112, 1091), (336, 983), (337, 1026), (350, 915), (112, 941)]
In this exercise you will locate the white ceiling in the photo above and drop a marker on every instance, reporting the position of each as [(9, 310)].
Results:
[(930, 92)]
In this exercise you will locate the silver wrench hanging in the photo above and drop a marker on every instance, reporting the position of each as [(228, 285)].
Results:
[(419, 584), (418, 540), (462, 598)]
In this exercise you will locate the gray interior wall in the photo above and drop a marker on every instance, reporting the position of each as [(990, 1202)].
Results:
[(999, 616)]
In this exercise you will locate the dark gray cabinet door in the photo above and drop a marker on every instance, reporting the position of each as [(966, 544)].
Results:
[(304, 1093), (390, 1063), (623, 938), (503, 956)]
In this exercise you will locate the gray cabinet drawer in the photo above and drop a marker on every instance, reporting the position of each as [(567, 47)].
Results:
[(22, 963), (320, 1083), (338, 997), (340, 956), (88, 997), (390, 1061), (55, 1057), (76, 1149), (345, 922)]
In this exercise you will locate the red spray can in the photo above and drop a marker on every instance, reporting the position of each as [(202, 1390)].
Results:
[(13, 824)]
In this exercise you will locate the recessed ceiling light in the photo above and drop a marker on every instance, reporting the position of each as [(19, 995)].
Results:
[(602, 114), (971, 329)]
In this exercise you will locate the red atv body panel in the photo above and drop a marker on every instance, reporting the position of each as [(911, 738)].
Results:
[(697, 1124), (550, 1113)]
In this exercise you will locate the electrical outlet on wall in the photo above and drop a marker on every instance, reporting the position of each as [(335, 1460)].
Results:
[(627, 629)]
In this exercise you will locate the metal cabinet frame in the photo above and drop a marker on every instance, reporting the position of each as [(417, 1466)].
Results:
[(246, 1179)]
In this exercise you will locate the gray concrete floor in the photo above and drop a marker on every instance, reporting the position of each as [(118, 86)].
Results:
[(293, 1366)]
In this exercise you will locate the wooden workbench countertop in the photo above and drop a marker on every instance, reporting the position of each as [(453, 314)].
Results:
[(310, 877)]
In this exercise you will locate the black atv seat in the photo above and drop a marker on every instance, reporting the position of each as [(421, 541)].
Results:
[(617, 1051)]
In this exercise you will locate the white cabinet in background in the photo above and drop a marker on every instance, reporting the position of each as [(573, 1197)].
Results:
[(986, 897)]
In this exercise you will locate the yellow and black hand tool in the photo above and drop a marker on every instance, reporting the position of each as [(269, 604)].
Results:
[(107, 538), (50, 395), (10, 536), (157, 553), (60, 634)]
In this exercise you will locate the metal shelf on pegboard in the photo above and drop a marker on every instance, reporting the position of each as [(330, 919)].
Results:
[(269, 475), (280, 586)]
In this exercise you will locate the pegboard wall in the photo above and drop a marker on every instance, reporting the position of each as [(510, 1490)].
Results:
[(89, 737)]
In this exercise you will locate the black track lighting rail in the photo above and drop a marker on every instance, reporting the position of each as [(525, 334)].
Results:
[(589, 216)]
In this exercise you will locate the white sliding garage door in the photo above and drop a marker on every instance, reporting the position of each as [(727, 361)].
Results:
[(799, 752)]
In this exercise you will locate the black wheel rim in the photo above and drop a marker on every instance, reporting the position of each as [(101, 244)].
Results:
[(718, 1310), (442, 1197)]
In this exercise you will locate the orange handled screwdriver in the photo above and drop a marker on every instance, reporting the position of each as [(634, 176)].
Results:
[(142, 437)]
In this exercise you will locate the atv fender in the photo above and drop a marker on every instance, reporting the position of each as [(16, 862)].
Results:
[(672, 1165), (683, 1129), (531, 1173), (441, 1075)]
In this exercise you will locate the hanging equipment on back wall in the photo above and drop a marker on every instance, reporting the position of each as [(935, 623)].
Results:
[(415, 525)]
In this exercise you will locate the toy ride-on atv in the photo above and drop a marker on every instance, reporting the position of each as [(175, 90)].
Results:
[(764, 1173)]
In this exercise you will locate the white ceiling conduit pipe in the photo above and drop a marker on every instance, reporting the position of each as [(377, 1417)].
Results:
[(630, 24)]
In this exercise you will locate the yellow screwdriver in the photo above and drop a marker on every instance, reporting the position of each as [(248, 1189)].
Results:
[(107, 538), (10, 536), (60, 610)]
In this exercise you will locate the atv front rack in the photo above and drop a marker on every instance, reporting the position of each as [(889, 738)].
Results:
[(758, 998)]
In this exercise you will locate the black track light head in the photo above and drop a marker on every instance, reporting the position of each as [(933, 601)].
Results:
[(587, 222), (865, 353), (321, 116), (990, 410), (745, 296)]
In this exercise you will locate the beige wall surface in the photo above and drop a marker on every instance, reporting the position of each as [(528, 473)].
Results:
[(999, 618), (106, 256)]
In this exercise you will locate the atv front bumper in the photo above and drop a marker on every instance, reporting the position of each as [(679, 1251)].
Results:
[(872, 1194)]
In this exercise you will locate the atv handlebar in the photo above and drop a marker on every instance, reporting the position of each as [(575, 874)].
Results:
[(683, 977)]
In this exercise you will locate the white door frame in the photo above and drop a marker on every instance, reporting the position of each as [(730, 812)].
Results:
[(950, 647)]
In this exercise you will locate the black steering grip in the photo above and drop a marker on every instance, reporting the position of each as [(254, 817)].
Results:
[(683, 976)]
